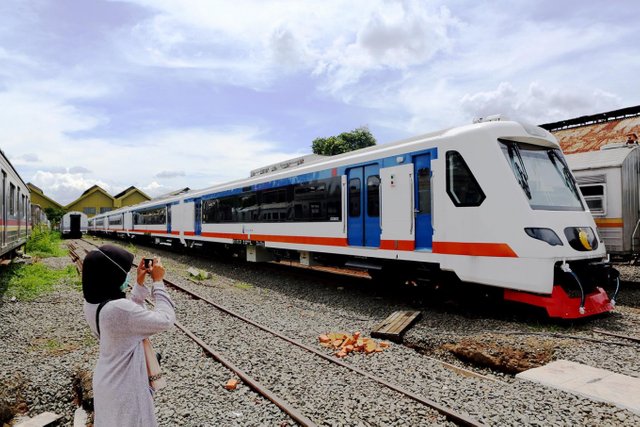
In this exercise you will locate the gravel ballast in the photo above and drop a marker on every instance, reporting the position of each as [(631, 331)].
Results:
[(303, 304)]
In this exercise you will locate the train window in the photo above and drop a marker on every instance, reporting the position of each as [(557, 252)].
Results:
[(276, 204), (595, 196), (424, 191), (155, 216), (115, 220), (462, 187), (12, 199), (354, 197), (373, 196)]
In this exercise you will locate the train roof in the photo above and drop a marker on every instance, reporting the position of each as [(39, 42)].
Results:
[(606, 158), (6, 159)]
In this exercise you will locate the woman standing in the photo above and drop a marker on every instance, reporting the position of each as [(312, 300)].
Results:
[(122, 396)]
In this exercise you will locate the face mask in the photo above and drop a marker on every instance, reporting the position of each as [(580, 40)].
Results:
[(125, 285)]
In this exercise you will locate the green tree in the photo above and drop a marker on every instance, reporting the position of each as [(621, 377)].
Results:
[(54, 214), (346, 141)]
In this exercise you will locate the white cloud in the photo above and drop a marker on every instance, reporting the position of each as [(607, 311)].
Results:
[(170, 174)]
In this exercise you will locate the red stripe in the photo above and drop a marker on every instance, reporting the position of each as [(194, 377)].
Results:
[(398, 245), (474, 249), (306, 240), (237, 236)]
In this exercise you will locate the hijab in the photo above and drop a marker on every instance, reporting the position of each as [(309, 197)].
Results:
[(103, 272)]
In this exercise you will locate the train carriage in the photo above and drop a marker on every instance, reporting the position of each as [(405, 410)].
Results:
[(493, 203), (15, 209), (74, 224), (608, 179)]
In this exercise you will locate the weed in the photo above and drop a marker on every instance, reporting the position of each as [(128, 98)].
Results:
[(243, 285), (27, 282), (45, 243)]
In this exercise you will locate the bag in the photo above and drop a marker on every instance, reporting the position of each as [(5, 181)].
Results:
[(156, 379)]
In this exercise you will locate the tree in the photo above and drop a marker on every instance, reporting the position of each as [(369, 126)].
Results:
[(346, 141), (54, 214)]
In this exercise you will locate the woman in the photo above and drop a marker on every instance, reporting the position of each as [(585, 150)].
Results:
[(122, 396)]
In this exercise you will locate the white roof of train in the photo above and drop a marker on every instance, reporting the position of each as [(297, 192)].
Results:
[(607, 158)]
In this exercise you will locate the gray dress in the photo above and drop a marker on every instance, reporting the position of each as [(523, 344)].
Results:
[(121, 390)]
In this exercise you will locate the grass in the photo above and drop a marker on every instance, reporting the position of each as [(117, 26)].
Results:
[(28, 282), (243, 285), (44, 243)]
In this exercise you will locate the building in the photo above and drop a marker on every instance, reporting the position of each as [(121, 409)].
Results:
[(590, 133), (38, 198), (96, 200)]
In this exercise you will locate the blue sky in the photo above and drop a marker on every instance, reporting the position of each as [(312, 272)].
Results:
[(164, 94)]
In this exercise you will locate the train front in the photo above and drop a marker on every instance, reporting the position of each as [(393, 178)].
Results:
[(556, 260)]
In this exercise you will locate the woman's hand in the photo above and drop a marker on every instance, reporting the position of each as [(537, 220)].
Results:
[(141, 272), (157, 270)]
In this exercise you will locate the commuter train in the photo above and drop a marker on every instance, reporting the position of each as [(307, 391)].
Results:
[(491, 203), (15, 210), (74, 224), (609, 181)]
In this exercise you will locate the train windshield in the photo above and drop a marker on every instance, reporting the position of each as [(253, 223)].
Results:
[(543, 175)]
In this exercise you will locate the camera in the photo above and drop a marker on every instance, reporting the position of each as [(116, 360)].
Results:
[(148, 262)]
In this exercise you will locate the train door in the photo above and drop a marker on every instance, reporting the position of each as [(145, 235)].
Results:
[(422, 197), (75, 228), (363, 215), (197, 206)]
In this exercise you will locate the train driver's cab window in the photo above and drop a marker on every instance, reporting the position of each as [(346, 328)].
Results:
[(462, 187), (595, 196)]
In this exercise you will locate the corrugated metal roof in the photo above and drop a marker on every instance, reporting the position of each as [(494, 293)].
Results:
[(593, 137), (599, 159)]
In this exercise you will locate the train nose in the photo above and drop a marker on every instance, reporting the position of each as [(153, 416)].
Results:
[(582, 239)]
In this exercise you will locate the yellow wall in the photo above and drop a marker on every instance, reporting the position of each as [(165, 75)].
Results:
[(44, 203), (132, 198), (96, 200)]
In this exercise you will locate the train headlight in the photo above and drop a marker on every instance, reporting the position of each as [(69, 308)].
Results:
[(544, 234), (581, 238)]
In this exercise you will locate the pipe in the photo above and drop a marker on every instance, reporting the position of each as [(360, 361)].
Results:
[(565, 267)]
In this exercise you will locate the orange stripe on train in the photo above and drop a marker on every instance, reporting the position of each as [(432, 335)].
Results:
[(474, 249), (609, 222)]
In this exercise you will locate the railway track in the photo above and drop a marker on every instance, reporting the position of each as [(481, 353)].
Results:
[(252, 382)]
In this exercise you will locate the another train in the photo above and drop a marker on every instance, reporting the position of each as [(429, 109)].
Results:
[(74, 224), (492, 203), (609, 181), (15, 210)]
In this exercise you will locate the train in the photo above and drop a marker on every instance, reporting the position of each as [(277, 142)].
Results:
[(608, 179), (15, 210), (491, 203), (74, 224)]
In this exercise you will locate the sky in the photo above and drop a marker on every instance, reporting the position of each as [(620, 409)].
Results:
[(167, 94)]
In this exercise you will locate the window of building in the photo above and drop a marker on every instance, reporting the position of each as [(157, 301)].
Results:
[(105, 210), (462, 187), (89, 211), (595, 196)]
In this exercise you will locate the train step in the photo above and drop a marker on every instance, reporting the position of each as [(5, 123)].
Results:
[(394, 326)]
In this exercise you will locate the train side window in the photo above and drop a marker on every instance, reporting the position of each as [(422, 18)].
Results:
[(595, 196), (354, 197), (424, 191), (373, 196), (12, 199), (462, 187)]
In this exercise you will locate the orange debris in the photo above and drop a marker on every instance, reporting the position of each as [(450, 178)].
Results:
[(231, 384), (345, 343)]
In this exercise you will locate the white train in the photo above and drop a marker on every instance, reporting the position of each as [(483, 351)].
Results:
[(15, 209), (492, 203), (609, 181), (74, 224)]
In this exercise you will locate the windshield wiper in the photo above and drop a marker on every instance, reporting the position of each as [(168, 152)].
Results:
[(564, 172), (521, 170)]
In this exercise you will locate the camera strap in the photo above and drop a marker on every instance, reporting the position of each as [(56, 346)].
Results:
[(98, 315)]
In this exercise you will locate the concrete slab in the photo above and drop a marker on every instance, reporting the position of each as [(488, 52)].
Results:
[(586, 381)]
